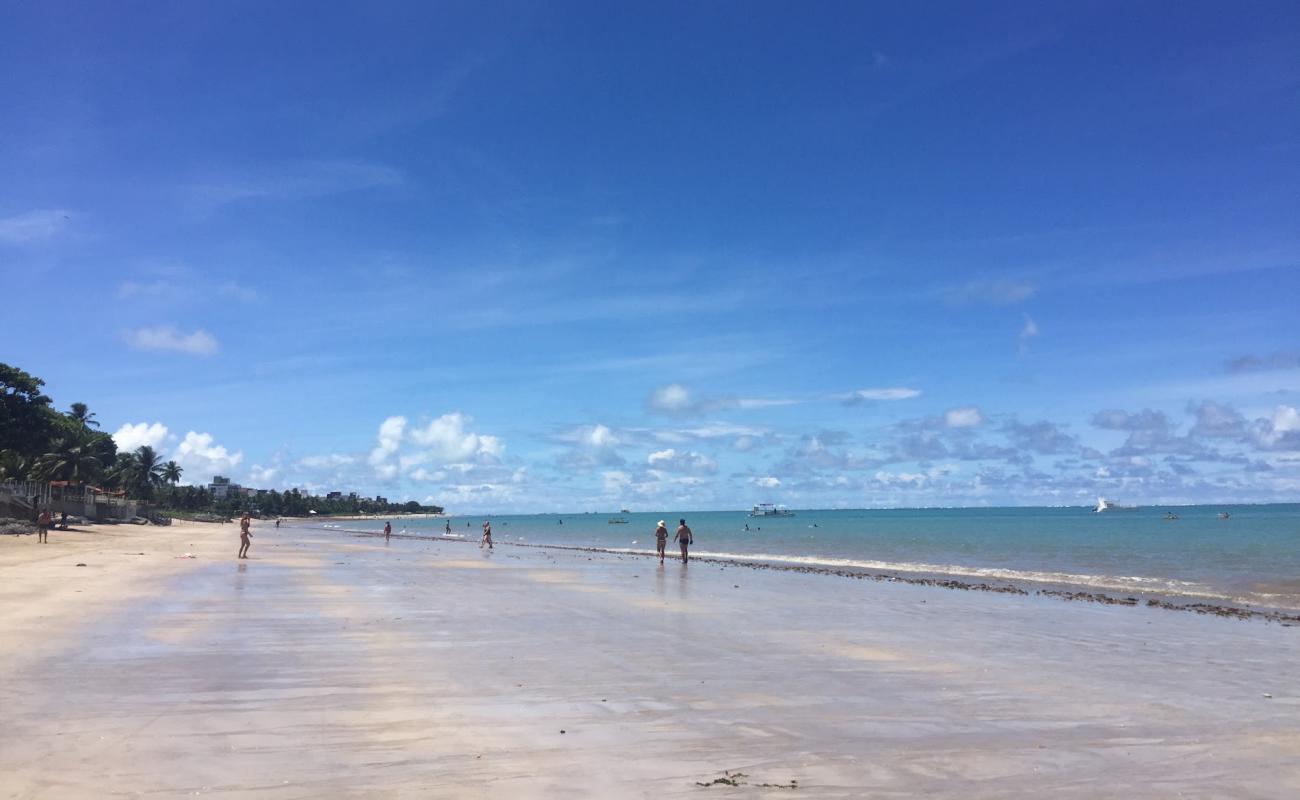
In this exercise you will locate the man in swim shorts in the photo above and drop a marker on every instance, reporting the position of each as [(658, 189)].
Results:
[(43, 527), (661, 540), (245, 537), (684, 537)]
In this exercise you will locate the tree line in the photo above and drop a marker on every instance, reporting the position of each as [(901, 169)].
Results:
[(40, 443)]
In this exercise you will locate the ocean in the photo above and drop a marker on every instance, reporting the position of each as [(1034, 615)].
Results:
[(1251, 558)]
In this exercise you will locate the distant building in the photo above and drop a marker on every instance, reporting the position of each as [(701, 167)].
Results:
[(380, 500), (221, 487), (334, 496)]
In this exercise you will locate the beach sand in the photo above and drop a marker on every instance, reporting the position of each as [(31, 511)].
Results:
[(330, 665)]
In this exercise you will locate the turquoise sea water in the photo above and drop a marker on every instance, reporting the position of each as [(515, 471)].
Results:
[(1251, 558)]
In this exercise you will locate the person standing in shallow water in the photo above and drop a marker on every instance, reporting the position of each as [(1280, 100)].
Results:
[(388, 530), (245, 537), (661, 540), (684, 537), (487, 535)]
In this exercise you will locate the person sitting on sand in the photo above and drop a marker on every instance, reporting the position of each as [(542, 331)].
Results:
[(487, 535), (684, 537), (245, 537), (43, 527), (661, 540), (388, 530)]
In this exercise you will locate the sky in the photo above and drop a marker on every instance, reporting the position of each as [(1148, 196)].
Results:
[(585, 256)]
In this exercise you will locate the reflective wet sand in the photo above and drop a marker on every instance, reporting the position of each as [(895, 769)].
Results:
[(332, 666)]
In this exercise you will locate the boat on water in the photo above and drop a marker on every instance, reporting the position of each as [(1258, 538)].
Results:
[(1224, 515), (770, 510), (1106, 505)]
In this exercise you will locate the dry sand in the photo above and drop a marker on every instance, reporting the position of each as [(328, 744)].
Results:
[(336, 666)]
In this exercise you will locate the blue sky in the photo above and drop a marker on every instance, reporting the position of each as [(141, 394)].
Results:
[(575, 256)]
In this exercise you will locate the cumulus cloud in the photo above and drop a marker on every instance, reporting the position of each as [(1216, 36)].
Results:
[(1217, 421), (447, 440), (591, 446), (168, 338), (963, 417), (766, 481), (689, 462), (1043, 437), (129, 436), (883, 394), (31, 226), (201, 457), (390, 439), (1282, 432), (996, 292)]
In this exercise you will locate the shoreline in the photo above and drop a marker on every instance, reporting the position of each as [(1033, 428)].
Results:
[(1063, 591)]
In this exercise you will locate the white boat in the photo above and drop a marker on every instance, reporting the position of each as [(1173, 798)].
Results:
[(1106, 505), (769, 510)]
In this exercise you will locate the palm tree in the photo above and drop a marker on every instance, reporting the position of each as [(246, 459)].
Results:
[(81, 413), (71, 458), (171, 472), (13, 466), (140, 472)]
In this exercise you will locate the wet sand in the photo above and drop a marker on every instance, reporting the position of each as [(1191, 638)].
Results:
[(335, 666)]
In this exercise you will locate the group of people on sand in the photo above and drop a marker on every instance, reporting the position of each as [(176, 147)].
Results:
[(684, 538)]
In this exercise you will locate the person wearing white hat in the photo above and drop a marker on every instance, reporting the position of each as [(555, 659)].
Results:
[(661, 540)]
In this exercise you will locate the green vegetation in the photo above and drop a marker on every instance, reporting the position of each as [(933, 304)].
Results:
[(38, 443)]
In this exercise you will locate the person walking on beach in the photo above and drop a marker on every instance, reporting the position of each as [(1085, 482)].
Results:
[(487, 535), (661, 540), (245, 537), (684, 537), (447, 528), (43, 527), (388, 530)]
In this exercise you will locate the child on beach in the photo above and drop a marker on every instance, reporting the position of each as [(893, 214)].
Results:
[(661, 540), (245, 537), (684, 537)]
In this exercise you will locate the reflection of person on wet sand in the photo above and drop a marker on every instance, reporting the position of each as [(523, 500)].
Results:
[(245, 537), (661, 540), (684, 537)]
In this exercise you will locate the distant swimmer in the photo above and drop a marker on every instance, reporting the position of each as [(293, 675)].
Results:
[(245, 536), (277, 522), (661, 540), (684, 538), (487, 535), (560, 522), (746, 526)]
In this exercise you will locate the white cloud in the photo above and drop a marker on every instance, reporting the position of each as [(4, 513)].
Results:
[(1028, 331), (30, 226), (390, 438), (615, 481), (766, 481), (129, 437), (168, 338), (689, 462), (202, 457), (598, 436), (963, 417), (671, 399), (882, 394), (1286, 418), (260, 476), (447, 440)]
